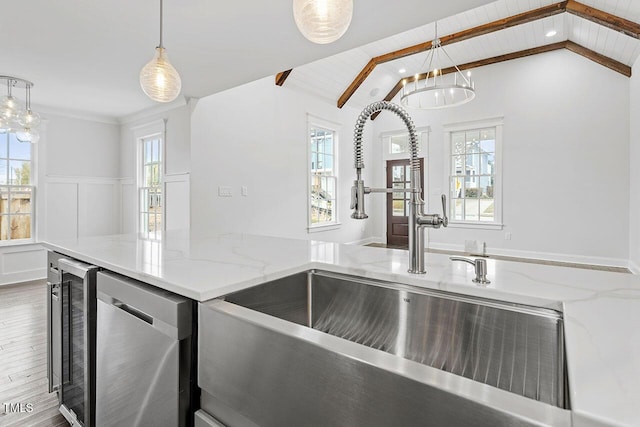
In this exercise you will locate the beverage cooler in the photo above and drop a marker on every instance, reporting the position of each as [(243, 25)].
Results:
[(71, 325)]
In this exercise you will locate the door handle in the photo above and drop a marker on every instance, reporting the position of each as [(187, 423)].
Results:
[(50, 336), (69, 333), (54, 334), (76, 268)]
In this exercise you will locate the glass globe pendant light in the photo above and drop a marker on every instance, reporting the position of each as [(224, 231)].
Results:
[(14, 118), (28, 121), (9, 107), (322, 21), (28, 135), (27, 118), (5, 125), (159, 79)]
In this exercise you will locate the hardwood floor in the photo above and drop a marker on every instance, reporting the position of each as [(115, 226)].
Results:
[(23, 358)]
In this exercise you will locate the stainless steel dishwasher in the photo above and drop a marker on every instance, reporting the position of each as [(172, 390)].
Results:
[(143, 368)]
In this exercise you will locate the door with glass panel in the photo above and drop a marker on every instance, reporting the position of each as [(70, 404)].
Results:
[(399, 177)]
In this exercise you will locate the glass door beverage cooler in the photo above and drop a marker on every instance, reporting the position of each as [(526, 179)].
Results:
[(71, 335)]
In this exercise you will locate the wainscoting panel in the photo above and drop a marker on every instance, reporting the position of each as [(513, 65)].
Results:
[(129, 203), (61, 210), (22, 263), (98, 209), (80, 206), (176, 189)]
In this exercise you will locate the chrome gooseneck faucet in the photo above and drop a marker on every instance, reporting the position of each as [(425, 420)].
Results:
[(418, 220)]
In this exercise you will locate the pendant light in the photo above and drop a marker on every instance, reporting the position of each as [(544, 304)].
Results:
[(28, 121), (444, 84), (9, 106), (158, 79), (14, 118), (323, 21)]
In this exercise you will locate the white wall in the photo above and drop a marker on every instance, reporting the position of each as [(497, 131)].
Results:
[(256, 136), (78, 178), (565, 158), (585, 207), (77, 190), (634, 161), (176, 176)]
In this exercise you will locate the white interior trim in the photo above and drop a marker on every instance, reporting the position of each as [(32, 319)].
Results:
[(336, 128), (423, 152), (74, 114), (181, 101), (498, 123), (367, 241)]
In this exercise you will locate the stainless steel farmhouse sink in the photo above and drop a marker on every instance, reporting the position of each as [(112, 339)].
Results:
[(319, 348)]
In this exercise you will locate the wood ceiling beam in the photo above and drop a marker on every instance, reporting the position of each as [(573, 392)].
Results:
[(612, 64), (574, 47), (282, 76), (500, 24), (608, 20)]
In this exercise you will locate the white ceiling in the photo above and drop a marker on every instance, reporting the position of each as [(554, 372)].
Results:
[(85, 55), (331, 76)]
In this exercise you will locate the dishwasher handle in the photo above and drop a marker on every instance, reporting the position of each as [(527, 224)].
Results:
[(133, 311), (130, 310), (167, 312)]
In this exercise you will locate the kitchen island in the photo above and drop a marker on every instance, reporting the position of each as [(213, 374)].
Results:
[(601, 309)]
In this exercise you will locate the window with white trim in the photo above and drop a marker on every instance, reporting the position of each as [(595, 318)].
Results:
[(400, 144), (323, 177), (150, 186), (16, 189), (474, 174)]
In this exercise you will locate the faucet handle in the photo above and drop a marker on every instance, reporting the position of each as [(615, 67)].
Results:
[(357, 200), (354, 192), (445, 218)]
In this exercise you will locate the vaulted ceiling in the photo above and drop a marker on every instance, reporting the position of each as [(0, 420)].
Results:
[(85, 55), (605, 31)]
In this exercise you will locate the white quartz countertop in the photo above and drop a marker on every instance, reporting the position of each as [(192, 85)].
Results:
[(601, 309)]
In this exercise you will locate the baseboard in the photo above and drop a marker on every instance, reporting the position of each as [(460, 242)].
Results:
[(25, 282), (633, 267), (446, 247), (544, 256), (367, 241)]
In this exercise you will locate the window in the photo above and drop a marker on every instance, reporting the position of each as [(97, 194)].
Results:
[(16, 189), (322, 176), (399, 144), (150, 186), (474, 172)]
